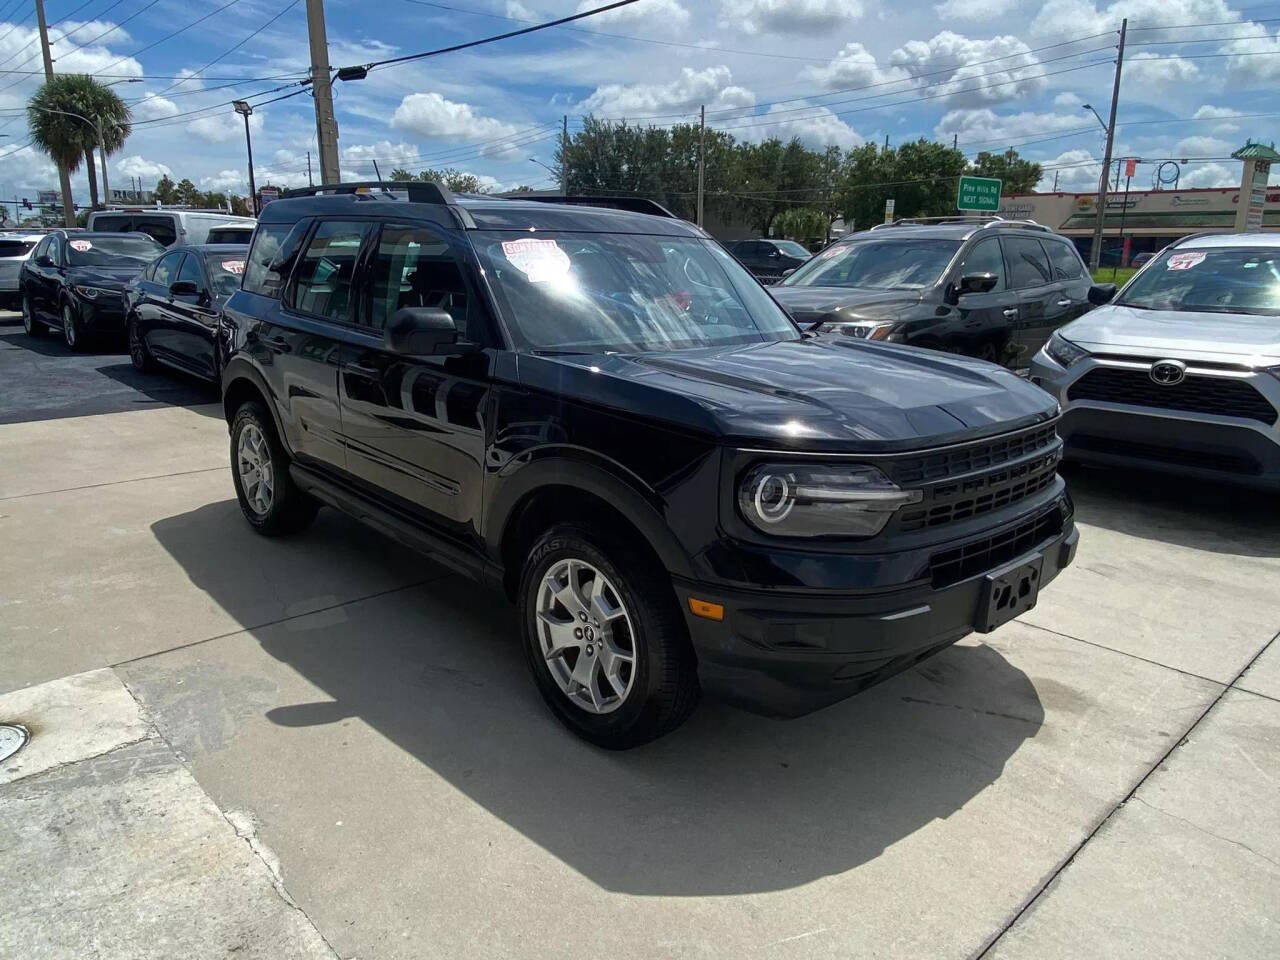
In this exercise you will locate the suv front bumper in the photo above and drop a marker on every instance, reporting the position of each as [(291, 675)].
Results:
[(785, 654)]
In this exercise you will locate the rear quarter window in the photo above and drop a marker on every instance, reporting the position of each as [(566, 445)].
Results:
[(160, 228)]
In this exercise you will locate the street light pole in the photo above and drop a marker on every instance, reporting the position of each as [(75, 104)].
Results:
[(64, 175), (244, 109)]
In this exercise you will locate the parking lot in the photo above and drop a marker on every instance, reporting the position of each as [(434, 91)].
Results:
[(328, 746)]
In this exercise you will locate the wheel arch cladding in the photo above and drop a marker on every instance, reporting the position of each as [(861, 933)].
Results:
[(244, 384)]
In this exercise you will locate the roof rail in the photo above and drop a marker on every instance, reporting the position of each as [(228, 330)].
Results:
[(925, 221), (1023, 224), (630, 204), (418, 191)]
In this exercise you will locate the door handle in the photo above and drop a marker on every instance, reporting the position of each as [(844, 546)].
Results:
[(363, 371), (1011, 312), (1065, 303)]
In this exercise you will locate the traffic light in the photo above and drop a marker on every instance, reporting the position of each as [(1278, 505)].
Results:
[(26, 204)]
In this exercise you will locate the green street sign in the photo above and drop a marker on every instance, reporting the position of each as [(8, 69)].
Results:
[(978, 193)]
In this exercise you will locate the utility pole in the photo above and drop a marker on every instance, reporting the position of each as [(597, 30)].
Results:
[(564, 156), (310, 182), (102, 154), (1095, 253), (702, 156), (244, 108), (68, 208), (322, 90), (1055, 181), (955, 141)]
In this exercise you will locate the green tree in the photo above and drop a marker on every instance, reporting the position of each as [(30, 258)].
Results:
[(188, 193), (165, 191), (65, 115), (804, 224), (522, 188), (1018, 175), (919, 176), (454, 180)]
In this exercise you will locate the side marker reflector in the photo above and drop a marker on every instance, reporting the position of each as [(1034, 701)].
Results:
[(708, 611)]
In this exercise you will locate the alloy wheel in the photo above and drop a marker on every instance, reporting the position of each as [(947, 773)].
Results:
[(586, 636), (69, 332), (28, 318), (253, 462), (137, 350)]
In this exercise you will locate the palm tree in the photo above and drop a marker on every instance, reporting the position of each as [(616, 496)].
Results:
[(65, 115)]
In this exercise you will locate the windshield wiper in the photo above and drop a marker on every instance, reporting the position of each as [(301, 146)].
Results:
[(563, 353)]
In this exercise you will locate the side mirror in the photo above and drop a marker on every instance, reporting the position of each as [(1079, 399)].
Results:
[(423, 332), (972, 283), (788, 272), (183, 288), (1101, 293)]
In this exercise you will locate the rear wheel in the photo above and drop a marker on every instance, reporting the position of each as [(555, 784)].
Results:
[(32, 326), (605, 640), (269, 499)]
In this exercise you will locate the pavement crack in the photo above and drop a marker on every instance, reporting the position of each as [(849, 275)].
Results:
[(111, 483), (1206, 831)]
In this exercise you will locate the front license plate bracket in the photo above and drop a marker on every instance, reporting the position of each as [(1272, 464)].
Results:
[(1009, 592)]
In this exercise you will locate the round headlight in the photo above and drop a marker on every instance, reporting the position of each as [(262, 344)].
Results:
[(820, 500), (774, 497)]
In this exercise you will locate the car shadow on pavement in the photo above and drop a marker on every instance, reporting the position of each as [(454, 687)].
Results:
[(169, 386), (1176, 510), (729, 803)]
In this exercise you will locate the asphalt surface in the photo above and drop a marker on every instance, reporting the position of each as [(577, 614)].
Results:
[(326, 746)]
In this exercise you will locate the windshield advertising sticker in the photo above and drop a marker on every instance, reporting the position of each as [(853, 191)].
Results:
[(539, 260), (1184, 261), (81, 246)]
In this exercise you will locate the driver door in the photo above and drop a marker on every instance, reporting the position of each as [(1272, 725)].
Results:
[(415, 427)]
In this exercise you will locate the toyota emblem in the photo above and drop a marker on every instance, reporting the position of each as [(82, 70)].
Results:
[(1168, 373)]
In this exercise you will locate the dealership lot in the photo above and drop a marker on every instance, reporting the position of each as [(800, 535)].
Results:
[(1097, 779)]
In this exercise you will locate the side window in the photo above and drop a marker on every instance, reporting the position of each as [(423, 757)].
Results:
[(324, 281), (161, 229), (984, 257), (267, 242), (1028, 265), (55, 250), (414, 267), (111, 223), (167, 268), (1066, 262), (190, 272), (41, 248)]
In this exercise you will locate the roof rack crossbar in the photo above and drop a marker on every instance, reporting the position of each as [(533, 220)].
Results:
[(629, 204), (418, 191)]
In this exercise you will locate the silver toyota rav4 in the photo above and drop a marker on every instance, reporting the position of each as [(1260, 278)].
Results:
[(1181, 371)]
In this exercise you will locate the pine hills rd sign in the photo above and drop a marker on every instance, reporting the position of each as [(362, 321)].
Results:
[(978, 193)]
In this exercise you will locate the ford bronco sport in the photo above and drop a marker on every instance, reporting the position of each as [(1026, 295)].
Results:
[(599, 411)]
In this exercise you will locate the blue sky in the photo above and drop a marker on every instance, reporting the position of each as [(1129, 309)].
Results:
[(990, 73)]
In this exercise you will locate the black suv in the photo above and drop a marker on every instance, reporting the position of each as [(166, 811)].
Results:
[(770, 260), (994, 289), (601, 413)]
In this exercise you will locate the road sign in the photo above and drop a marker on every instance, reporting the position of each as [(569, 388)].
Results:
[(978, 193), (888, 210), (1131, 166)]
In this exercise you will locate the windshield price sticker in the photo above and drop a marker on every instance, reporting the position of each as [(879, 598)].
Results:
[(539, 260), (233, 266), (81, 246), (1185, 261)]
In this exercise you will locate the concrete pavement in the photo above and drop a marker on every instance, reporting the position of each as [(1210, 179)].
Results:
[(1097, 780)]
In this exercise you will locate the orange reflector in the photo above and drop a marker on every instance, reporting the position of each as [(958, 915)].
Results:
[(708, 611)]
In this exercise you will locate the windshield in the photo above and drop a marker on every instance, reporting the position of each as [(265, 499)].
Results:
[(225, 271), (91, 251), (877, 265), (792, 249), (1225, 280), (593, 293)]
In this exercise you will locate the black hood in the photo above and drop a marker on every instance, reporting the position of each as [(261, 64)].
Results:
[(805, 394), (109, 276), (808, 304)]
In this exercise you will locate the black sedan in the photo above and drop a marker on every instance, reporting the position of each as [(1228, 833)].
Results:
[(74, 282), (173, 308)]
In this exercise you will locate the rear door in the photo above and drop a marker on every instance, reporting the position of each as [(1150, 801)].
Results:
[(154, 323), (37, 283), (1039, 309), (194, 318), (415, 426)]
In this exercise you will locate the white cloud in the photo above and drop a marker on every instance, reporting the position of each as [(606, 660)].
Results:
[(1210, 175), (1076, 170), (519, 11), (152, 107), (225, 181), (817, 127), (1225, 114), (854, 66), (980, 11), (1068, 101), (789, 16), (1256, 63), (1017, 73), (360, 157), (1200, 146), (668, 15), (1155, 72), (712, 86), (986, 129), (223, 127), (137, 166), (431, 115)]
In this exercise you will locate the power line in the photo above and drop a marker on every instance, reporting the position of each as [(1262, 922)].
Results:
[(170, 36), (501, 36), (1214, 23), (228, 52)]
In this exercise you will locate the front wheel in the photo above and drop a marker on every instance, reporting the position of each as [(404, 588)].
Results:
[(139, 353), (32, 326), (71, 333), (605, 640), (269, 499)]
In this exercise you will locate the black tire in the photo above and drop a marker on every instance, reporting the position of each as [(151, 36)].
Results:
[(32, 326), (72, 335), (664, 689), (139, 353), (289, 509)]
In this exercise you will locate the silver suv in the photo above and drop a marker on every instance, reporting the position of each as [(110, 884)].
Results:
[(1181, 371)]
